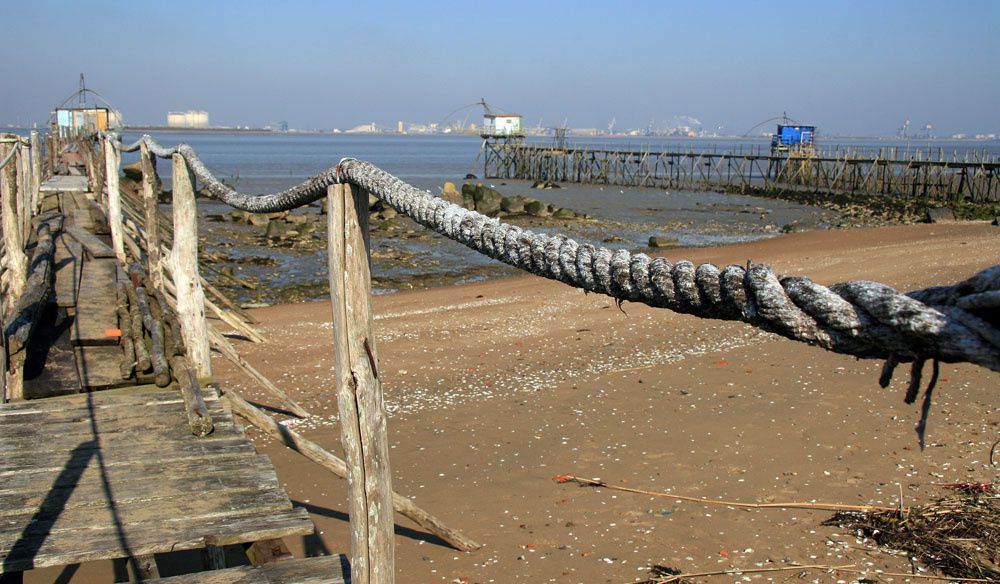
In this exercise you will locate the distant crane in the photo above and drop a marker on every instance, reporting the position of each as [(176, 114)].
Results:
[(903, 130), (611, 125)]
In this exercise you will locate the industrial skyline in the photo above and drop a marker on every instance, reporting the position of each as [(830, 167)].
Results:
[(853, 67)]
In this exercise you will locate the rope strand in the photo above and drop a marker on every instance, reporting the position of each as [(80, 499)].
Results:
[(860, 318)]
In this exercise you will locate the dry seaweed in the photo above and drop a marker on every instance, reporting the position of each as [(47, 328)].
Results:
[(958, 535)]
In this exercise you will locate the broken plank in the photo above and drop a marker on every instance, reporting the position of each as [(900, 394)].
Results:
[(93, 244)]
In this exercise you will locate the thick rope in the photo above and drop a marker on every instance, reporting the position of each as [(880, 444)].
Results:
[(957, 323)]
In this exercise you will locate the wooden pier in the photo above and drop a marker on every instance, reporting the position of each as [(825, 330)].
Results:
[(115, 442), (883, 172)]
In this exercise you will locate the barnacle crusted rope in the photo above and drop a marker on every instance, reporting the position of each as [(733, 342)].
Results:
[(957, 323)]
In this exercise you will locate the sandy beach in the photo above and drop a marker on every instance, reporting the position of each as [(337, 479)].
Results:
[(496, 387)]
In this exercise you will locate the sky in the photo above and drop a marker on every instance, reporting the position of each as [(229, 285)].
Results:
[(850, 67)]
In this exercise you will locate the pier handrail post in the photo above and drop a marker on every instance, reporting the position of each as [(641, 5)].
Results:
[(112, 159), (359, 391), (21, 163), (190, 296), (36, 172), (150, 197), (15, 259)]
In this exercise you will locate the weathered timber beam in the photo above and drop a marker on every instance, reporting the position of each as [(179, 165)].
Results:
[(331, 462)]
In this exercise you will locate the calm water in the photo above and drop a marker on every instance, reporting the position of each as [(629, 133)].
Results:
[(625, 218), (263, 163)]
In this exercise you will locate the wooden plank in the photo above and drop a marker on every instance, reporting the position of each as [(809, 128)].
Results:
[(318, 570), (64, 184), (153, 491), (95, 312), (99, 367), (205, 467), (228, 446), (152, 412), (167, 534), (70, 431), (55, 520), (91, 243), (68, 266), (109, 438), (122, 398)]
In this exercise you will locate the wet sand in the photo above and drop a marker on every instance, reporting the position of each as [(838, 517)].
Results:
[(495, 387)]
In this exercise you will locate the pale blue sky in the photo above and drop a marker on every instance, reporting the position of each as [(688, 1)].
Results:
[(850, 67)]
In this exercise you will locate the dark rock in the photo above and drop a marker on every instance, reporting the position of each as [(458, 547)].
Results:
[(471, 176), (487, 200), (535, 209), (276, 229), (300, 219), (450, 193), (996, 221), (545, 184), (512, 205), (564, 214), (469, 196), (661, 241), (133, 171), (939, 215)]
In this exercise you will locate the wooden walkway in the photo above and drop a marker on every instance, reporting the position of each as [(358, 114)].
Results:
[(119, 474), (93, 475)]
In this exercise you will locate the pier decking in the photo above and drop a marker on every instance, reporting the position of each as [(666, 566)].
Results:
[(118, 474), (102, 458)]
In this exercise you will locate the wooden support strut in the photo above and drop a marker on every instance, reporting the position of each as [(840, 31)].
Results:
[(111, 164), (359, 391), (331, 462)]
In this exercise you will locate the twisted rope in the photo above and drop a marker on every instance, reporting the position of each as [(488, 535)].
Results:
[(957, 323)]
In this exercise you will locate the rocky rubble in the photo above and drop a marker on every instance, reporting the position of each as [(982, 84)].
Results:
[(490, 202)]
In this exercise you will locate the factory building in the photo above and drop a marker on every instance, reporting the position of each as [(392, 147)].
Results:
[(188, 119)]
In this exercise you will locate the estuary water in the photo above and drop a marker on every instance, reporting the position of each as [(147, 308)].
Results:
[(406, 255)]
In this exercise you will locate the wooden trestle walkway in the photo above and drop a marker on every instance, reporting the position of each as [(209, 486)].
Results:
[(151, 465), (883, 172)]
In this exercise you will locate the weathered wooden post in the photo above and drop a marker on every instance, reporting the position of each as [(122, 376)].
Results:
[(23, 192), (15, 259), (36, 172), (190, 296), (359, 391), (150, 197), (111, 163)]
